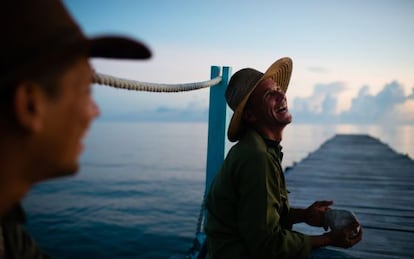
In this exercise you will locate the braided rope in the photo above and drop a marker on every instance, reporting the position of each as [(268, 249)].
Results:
[(201, 216), (112, 81)]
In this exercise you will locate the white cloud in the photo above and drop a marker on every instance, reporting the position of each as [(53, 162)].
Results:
[(390, 105)]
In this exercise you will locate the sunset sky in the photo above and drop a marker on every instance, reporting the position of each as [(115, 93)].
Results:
[(353, 60)]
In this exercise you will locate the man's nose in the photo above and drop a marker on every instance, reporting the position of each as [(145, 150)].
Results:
[(95, 111)]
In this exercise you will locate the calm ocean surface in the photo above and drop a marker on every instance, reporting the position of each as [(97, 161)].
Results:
[(139, 191)]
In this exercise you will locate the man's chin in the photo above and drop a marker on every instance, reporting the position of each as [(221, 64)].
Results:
[(285, 121), (66, 172), (73, 171), (45, 175)]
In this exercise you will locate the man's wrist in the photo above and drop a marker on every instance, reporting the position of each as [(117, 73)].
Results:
[(320, 241), (297, 215)]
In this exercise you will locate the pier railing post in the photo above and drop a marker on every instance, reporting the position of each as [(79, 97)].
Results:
[(216, 125)]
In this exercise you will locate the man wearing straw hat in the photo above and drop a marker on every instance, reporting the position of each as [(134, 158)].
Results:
[(248, 208), (46, 104)]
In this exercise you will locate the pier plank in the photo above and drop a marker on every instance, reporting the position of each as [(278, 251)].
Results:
[(363, 175)]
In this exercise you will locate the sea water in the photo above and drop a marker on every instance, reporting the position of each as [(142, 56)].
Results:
[(140, 186)]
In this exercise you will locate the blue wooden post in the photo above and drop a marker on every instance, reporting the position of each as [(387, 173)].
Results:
[(217, 131), (217, 128)]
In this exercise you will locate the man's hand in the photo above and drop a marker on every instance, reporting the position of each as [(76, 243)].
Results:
[(315, 214), (346, 237)]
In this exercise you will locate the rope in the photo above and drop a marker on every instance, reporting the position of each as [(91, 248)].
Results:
[(201, 215), (196, 251), (112, 81), (102, 79)]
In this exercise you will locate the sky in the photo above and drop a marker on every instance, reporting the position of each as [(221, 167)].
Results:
[(353, 61)]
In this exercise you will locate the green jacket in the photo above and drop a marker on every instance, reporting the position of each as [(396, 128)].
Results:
[(248, 206), (17, 243)]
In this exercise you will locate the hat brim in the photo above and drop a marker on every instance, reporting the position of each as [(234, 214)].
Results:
[(118, 47), (280, 71)]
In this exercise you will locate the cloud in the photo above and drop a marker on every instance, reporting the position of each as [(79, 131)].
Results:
[(321, 105), (406, 111), (387, 106), (411, 96), (367, 108), (329, 104)]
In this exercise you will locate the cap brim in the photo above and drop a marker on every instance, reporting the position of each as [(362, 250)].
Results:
[(118, 47), (280, 71)]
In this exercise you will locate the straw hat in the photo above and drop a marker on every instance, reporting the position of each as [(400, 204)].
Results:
[(38, 33), (243, 83)]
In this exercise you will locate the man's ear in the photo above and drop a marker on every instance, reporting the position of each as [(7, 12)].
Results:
[(29, 105)]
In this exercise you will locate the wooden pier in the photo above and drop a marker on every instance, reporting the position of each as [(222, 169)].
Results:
[(363, 175)]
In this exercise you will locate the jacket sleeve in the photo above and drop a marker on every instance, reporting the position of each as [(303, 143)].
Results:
[(259, 213)]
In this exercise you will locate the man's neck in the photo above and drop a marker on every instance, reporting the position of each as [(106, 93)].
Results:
[(274, 134), (13, 174), (11, 192)]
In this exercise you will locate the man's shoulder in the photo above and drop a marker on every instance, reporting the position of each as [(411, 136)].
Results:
[(250, 149), (245, 151), (17, 241)]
